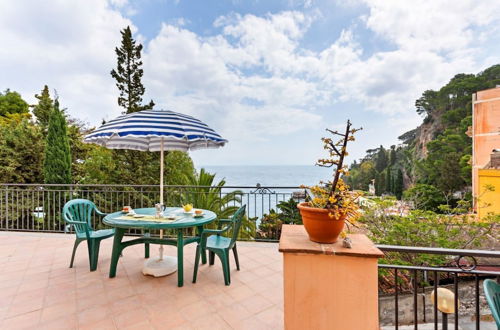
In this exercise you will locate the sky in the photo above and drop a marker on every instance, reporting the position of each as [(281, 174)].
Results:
[(268, 75)]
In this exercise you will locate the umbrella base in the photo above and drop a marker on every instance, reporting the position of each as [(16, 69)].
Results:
[(157, 268)]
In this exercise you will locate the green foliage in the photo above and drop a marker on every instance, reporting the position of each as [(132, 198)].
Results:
[(425, 229), (392, 156), (21, 150), (389, 184), (43, 109), (381, 160), (425, 197), (207, 194), (106, 166), (398, 185), (128, 74), (289, 211), (270, 224), (57, 162), (380, 184), (361, 175), (12, 102), (100, 167)]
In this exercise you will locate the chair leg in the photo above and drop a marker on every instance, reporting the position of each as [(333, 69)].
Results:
[(196, 262), (237, 261), (146, 250), (95, 254), (211, 258), (90, 246), (77, 242), (226, 268)]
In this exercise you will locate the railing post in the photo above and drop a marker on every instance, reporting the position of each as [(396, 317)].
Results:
[(327, 286)]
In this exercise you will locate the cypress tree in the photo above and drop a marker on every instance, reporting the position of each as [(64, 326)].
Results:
[(380, 184), (388, 180), (381, 162), (128, 74), (57, 162), (398, 185), (392, 156), (43, 109)]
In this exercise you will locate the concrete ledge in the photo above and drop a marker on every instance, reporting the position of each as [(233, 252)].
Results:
[(294, 239)]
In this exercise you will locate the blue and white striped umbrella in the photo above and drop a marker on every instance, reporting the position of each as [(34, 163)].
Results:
[(156, 130), (145, 130)]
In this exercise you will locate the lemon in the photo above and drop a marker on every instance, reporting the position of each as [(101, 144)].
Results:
[(188, 207)]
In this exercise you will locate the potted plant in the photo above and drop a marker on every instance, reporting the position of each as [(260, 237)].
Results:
[(331, 203)]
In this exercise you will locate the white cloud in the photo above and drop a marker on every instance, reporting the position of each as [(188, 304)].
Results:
[(254, 80), (67, 45)]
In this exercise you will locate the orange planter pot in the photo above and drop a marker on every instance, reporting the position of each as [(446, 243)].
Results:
[(319, 226)]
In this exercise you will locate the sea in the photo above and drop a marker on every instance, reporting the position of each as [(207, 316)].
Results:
[(265, 186), (270, 175)]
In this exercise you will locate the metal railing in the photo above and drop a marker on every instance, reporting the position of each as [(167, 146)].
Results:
[(37, 207), (416, 282)]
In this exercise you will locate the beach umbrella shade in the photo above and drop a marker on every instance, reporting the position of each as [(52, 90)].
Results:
[(156, 130)]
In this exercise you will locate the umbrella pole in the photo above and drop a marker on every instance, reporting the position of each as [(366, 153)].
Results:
[(161, 193)]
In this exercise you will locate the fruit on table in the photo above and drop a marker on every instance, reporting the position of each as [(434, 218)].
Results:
[(188, 207), (198, 212)]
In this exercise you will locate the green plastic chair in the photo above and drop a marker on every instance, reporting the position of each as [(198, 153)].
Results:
[(220, 245), (492, 293), (78, 212)]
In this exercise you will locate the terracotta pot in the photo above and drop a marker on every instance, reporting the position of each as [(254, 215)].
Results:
[(319, 226)]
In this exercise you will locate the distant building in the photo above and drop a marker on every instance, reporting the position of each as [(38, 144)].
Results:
[(485, 140)]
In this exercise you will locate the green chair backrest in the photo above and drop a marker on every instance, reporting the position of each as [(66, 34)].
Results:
[(236, 224), (79, 210), (492, 293)]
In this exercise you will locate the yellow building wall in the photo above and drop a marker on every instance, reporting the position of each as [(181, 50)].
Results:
[(488, 201), (486, 132)]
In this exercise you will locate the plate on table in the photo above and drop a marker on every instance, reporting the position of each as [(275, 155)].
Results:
[(199, 215), (138, 215)]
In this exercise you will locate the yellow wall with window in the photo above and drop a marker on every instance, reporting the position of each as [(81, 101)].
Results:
[(489, 201)]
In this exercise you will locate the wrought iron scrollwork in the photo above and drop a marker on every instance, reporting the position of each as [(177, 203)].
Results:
[(466, 263), (262, 190)]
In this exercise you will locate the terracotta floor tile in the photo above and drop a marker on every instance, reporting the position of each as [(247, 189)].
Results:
[(91, 301), (240, 292), (24, 321), (58, 311), (252, 323), (41, 290), (165, 319), (24, 307), (256, 303), (131, 318), (104, 324), (273, 317), (211, 322), (92, 315), (234, 315), (61, 323), (196, 310)]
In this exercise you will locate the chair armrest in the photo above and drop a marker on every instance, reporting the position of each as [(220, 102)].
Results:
[(222, 221), (72, 222), (99, 212), (207, 232)]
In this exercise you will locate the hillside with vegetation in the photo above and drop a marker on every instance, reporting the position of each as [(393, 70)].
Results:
[(434, 158)]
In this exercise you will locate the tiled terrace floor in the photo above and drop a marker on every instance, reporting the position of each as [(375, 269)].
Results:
[(38, 290)]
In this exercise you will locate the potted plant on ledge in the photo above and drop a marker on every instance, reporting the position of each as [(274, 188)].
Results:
[(331, 203)]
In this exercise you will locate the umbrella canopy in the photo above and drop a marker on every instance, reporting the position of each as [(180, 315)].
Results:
[(145, 131)]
